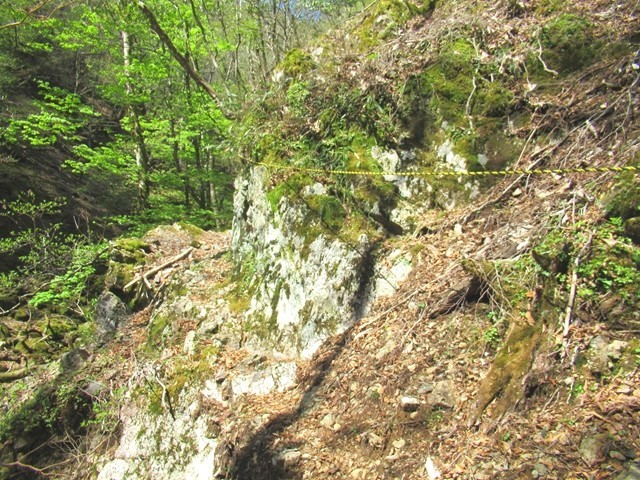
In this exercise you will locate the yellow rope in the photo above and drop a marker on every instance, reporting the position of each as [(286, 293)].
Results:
[(451, 173)]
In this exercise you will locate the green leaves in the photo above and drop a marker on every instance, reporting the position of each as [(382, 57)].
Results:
[(61, 115)]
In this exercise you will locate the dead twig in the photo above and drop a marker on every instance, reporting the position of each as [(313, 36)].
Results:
[(572, 292), (145, 276)]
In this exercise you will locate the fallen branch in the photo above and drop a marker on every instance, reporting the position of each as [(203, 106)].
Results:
[(573, 289), (145, 276), (11, 375), (544, 65)]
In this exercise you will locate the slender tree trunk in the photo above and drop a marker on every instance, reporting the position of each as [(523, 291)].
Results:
[(197, 157), (179, 165), (213, 194), (140, 150)]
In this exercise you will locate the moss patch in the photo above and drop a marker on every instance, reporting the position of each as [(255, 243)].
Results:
[(296, 64), (568, 43), (624, 200), (129, 250), (287, 187)]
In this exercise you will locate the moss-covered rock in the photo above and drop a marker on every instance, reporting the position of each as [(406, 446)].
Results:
[(624, 199), (118, 275), (56, 326), (494, 100), (568, 43), (632, 229), (129, 250), (296, 64)]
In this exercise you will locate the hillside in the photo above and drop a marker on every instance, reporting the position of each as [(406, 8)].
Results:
[(432, 273)]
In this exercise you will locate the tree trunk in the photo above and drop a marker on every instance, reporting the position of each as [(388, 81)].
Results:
[(140, 150)]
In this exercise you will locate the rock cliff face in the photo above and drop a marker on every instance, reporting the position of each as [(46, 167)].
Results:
[(304, 289)]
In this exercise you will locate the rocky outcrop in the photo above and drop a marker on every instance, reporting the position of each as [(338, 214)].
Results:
[(307, 283)]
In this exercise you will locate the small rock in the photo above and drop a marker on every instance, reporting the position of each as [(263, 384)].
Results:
[(594, 448), (74, 359), (632, 229), (359, 474), (442, 395), (94, 389), (373, 439), (517, 192), (399, 444), (109, 314), (287, 459), (189, 346), (409, 404), (328, 421), (256, 360), (221, 376), (22, 443), (615, 348), (617, 455), (625, 390), (425, 388), (540, 470), (386, 350)]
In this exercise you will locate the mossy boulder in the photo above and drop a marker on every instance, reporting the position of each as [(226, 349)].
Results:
[(56, 326), (296, 64), (157, 329), (118, 275), (494, 100), (568, 43), (385, 16), (624, 200), (328, 209), (632, 229), (129, 250)]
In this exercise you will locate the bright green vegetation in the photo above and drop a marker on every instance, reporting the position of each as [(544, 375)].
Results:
[(568, 43), (296, 63), (610, 266)]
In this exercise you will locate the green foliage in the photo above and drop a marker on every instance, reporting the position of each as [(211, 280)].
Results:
[(61, 115), (71, 285), (613, 265), (297, 95), (105, 412), (491, 336), (54, 266), (297, 63), (34, 238), (48, 410)]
